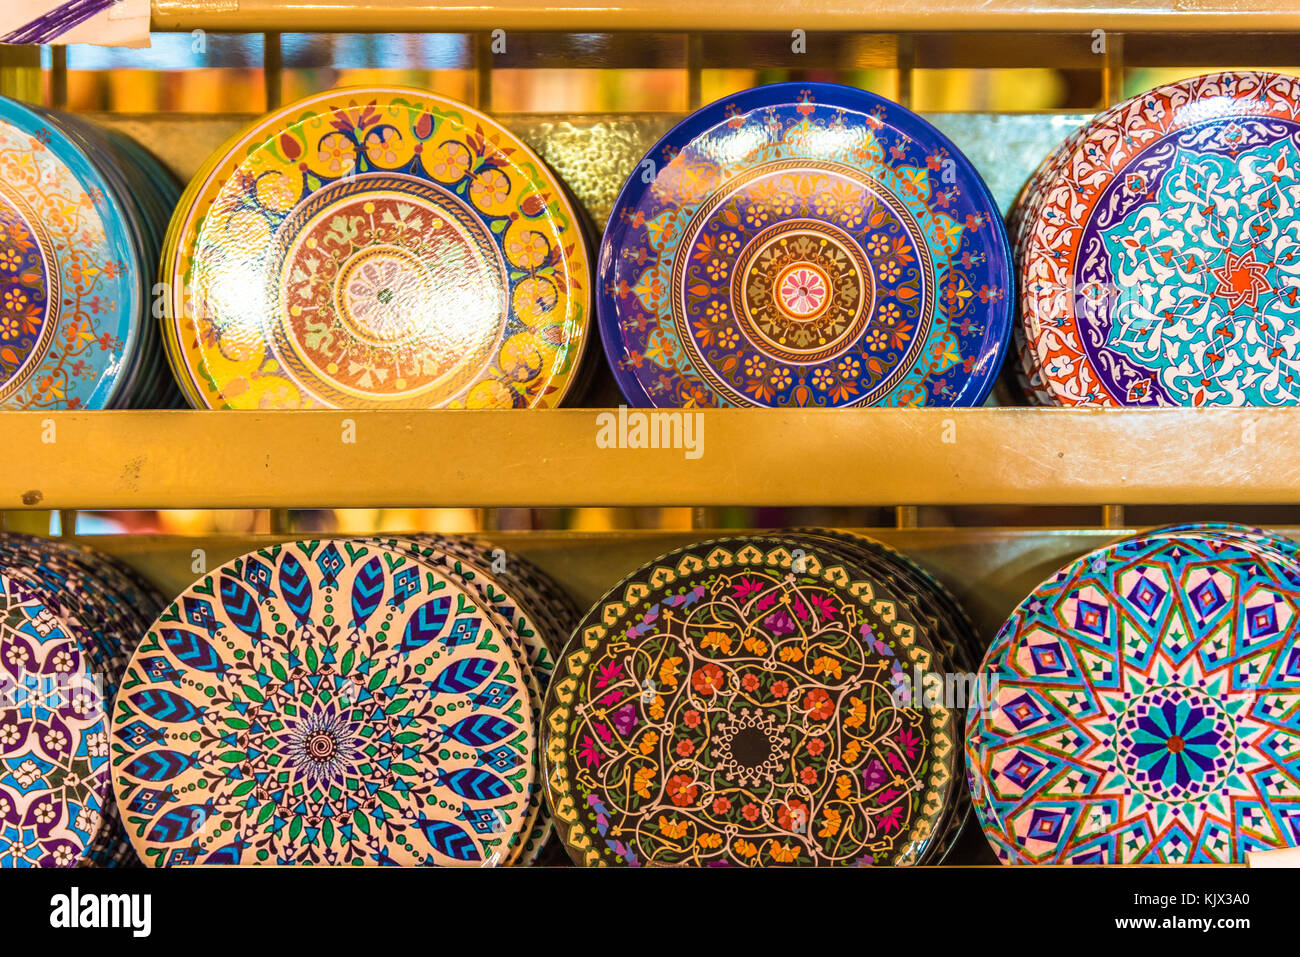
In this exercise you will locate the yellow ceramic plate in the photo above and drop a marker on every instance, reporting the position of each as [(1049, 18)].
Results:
[(376, 248)]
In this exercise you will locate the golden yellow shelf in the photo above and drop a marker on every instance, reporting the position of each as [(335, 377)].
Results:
[(878, 457), (725, 15)]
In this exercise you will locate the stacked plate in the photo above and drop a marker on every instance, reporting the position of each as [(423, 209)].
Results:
[(1144, 705), (342, 702), (764, 701), (82, 214), (71, 618), (375, 248), (1156, 251), (805, 244)]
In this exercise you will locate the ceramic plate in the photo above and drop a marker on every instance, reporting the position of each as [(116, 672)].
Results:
[(72, 272), (1160, 266), (805, 245), (325, 702), (1145, 708), (376, 248), (732, 704)]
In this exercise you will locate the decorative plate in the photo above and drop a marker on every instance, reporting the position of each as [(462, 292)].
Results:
[(324, 702), (53, 737), (805, 244), (71, 272), (733, 704), (1160, 266), (376, 248), (1146, 708)]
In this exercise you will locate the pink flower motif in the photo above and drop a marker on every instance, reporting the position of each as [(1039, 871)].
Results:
[(588, 754), (609, 673)]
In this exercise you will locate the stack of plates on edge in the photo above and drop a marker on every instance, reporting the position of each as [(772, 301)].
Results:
[(82, 216), (1144, 704), (762, 701), (71, 619), (343, 701), (376, 248), (1156, 251)]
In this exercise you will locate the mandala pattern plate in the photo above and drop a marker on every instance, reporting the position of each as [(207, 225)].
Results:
[(732, 703), (805, 245), (1159, 262), (376, 248), (1146, 707), (325, 702)]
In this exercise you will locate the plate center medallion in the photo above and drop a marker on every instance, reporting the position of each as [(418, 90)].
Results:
[(803, 291), (386, 287), (382, 294), (1176, 744)]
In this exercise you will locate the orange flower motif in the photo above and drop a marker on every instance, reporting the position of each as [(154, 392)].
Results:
[(783, 853), (671, 828), (668, 672), (717, 639), (745, 848), (826, 665), (857, 713), (649, 741), (831, 819), (755, 645), (641, 781), (709, 841), (791, 653)]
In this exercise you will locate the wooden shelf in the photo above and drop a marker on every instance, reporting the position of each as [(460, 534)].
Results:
[(884, 457), (726, 15)]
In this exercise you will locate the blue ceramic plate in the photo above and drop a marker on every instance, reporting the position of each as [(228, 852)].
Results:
[(805, 244), (71, 271)]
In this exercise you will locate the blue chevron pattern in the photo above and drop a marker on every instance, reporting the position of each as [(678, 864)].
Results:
[(450, 840), (194, 651), (295, 589), (478, 730), (464, 675), (474, 784), (163, 705), (241, 608), (367, 591), (424, 626), (178, 823), (159, 765)]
